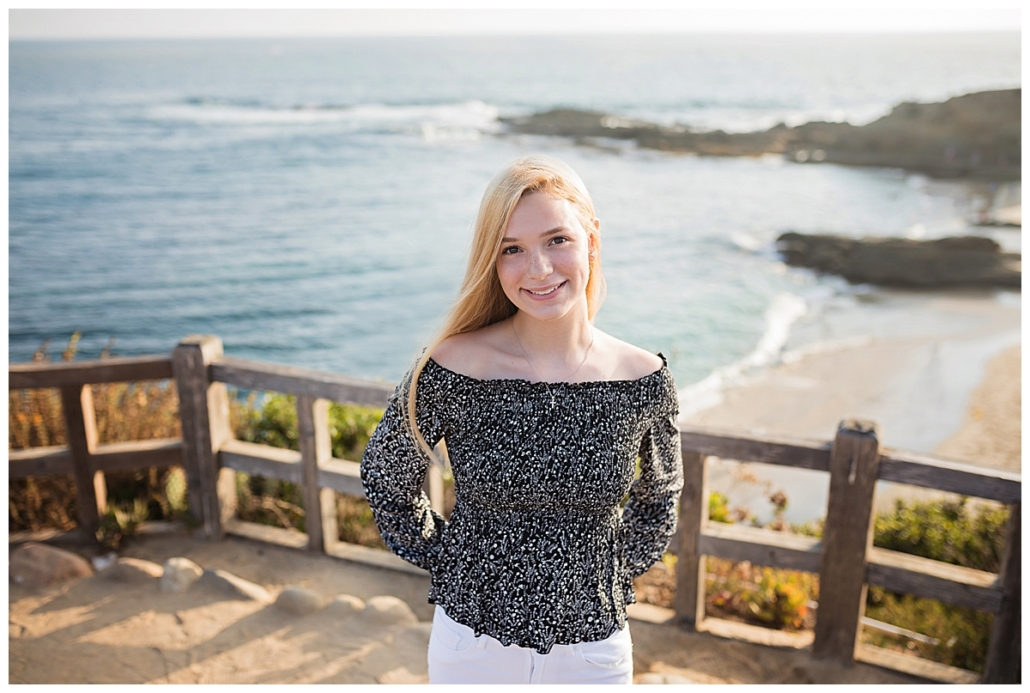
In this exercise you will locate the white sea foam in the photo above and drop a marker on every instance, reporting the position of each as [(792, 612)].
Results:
[(467, 115), (783, 312)]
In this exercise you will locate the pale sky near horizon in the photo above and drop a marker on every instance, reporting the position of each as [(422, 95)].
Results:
[(732, 17)]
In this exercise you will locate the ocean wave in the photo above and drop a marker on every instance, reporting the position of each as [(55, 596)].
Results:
[(463, 116), (782, 313)]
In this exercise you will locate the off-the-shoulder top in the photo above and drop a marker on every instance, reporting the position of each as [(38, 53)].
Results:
[(536, 551)]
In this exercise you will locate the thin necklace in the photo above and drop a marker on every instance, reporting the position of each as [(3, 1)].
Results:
[(568, 377)]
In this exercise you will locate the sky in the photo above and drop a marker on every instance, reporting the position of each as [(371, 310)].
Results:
[(743, 17)]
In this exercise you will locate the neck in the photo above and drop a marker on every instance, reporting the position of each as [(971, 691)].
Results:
[(554, 348)]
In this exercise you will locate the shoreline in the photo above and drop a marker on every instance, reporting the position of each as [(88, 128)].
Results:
[(948, 384)]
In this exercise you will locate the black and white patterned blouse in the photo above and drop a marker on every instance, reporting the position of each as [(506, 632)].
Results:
[(536, 551)]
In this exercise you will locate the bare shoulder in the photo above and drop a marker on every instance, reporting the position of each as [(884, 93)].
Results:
[(628, 362), (474, 354)]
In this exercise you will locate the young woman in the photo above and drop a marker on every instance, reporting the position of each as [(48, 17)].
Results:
[(543, 418)]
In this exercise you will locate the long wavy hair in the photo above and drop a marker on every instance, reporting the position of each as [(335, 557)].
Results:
[(482, 301)]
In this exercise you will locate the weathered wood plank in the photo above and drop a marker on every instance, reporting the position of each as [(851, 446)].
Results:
[(138, 454), (689, 600), (947, 475), (761, 546), (113, 370), (261, 460), (81, 426), (293, 539), (373, 557), (756, 634), (1004, 651), (289, 538), (746, 447), (923, 577), (47, 461), (253, 375), (75, 537), (847, 538), (330, 528), (342, 476), (204, 411), (315, 450), (914, 666)]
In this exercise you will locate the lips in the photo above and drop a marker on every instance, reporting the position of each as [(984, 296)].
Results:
[(545, 293)]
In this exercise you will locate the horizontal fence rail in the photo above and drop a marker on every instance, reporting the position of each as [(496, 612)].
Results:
[(844, 557), (254, 375), (24, 376)]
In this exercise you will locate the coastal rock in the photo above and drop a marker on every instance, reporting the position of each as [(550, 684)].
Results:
[(179, 574), (387, 609), (299, 601), (975, 135), (39, 564), (965, 261), (225, 581), (132, 570), (344, 606)]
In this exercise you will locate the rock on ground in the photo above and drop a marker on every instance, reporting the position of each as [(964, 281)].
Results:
[(33, 563), (179, 574), (132, 570), (386, 609), (299, 601), (242, 589)]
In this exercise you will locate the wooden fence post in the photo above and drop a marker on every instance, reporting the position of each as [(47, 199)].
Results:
[(689, 601), (204, 411), (847, 537), (315, 450), (81, 426), (1004, 651)]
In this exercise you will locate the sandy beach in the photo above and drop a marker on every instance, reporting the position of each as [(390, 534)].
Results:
[(949, 386)]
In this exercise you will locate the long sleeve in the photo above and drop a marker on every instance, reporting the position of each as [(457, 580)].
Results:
[(649, 518), (392, 471)]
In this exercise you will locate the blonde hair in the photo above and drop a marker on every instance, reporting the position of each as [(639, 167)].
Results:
[(481, 300)]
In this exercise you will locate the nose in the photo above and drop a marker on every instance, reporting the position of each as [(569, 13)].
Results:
[(539, 265)]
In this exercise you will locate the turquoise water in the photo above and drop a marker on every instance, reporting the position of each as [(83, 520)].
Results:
[(309, 201)]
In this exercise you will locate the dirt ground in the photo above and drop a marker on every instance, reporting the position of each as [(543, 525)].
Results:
[(94, 630)]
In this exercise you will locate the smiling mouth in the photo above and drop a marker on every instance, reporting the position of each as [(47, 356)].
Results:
[(546, 292)]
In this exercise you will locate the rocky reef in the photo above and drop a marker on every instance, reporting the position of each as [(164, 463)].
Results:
[(964, 261), (971, 136)]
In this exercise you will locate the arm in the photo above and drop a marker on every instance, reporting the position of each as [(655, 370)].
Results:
[(649, 518), (392, 471)]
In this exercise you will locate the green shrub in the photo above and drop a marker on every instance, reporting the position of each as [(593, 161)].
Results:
[(719, 508), (962, 634), (780, 598), (951, 532), (275, 424), (945, 531), (281, 503)]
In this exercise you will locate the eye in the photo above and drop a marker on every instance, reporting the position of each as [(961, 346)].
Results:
[(510, 250), (558, 240)]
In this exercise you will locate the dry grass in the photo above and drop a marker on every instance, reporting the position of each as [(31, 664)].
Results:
[(124, 412)]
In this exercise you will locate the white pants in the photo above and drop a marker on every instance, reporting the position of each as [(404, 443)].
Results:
[(456, 655)]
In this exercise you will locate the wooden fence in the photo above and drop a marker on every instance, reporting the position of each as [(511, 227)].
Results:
[(844, 558)]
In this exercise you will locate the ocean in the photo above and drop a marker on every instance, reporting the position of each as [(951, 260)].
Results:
[(310, 201)]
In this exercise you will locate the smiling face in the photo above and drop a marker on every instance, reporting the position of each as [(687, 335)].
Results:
[(544, 261)]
